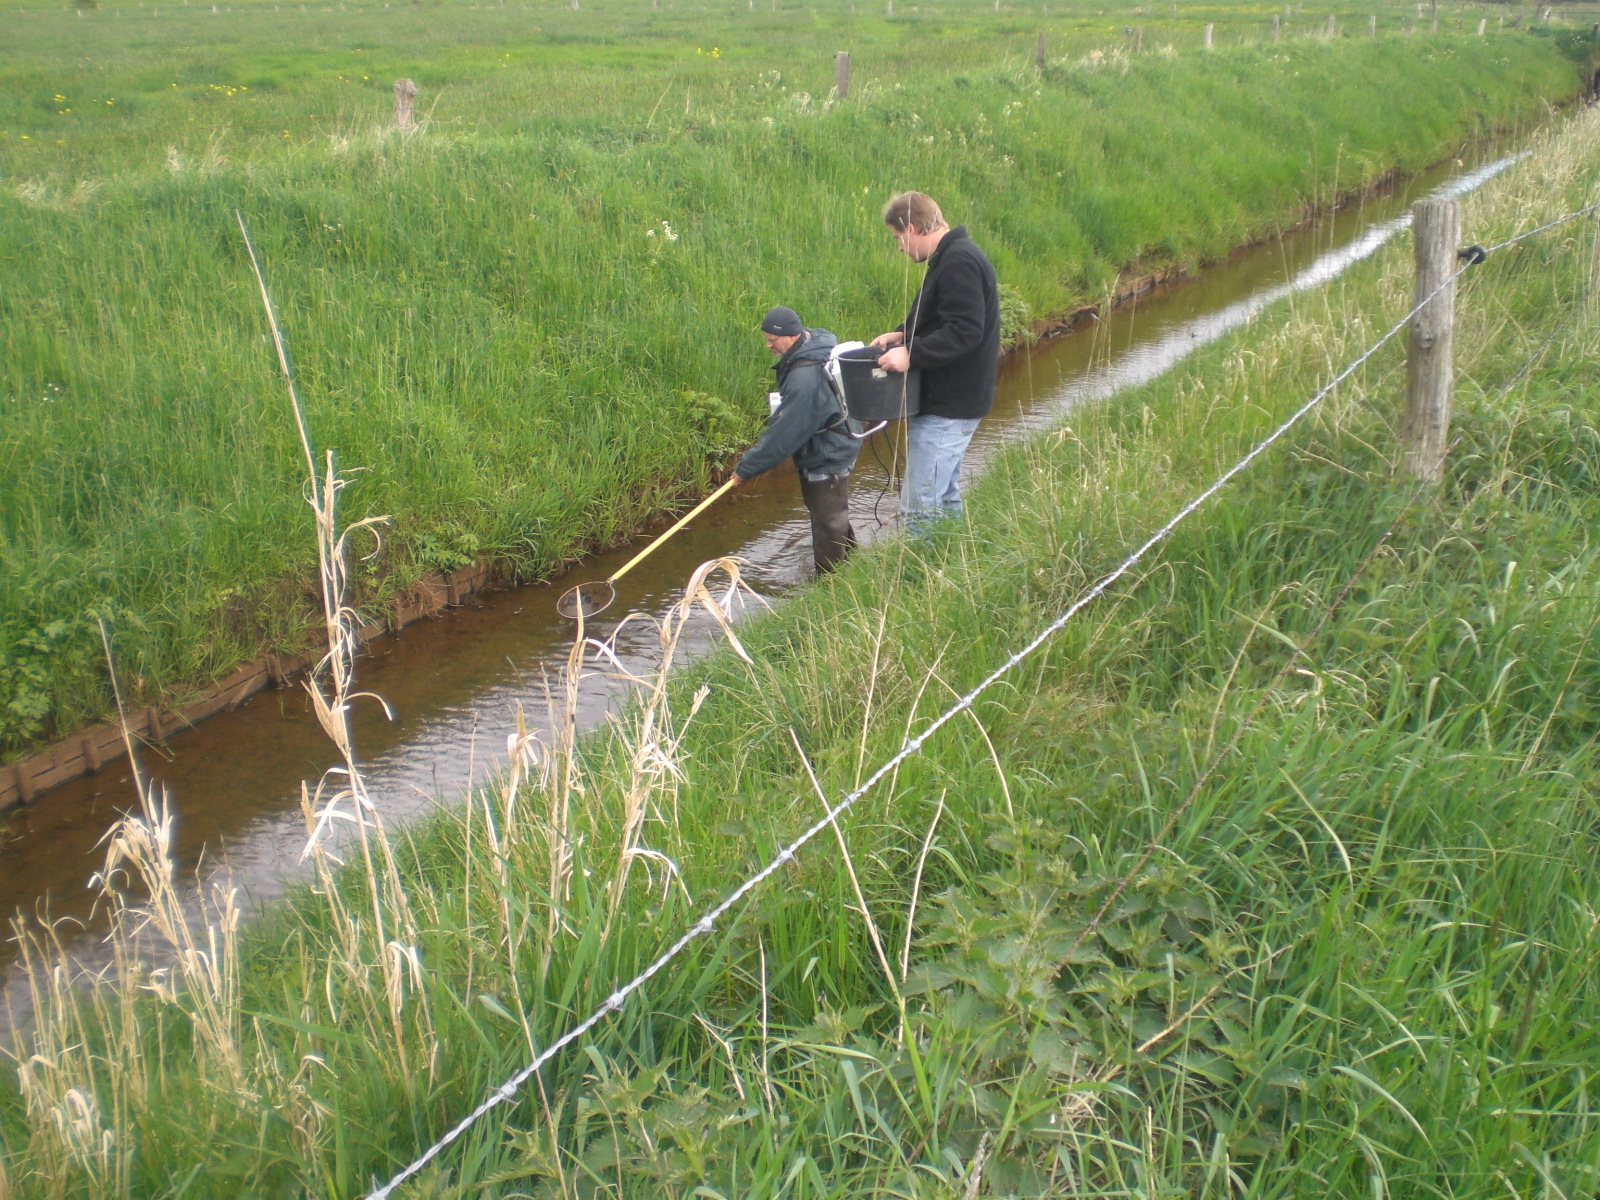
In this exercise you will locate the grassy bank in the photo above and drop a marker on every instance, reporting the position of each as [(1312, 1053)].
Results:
[(1271, 875), (528, 326)]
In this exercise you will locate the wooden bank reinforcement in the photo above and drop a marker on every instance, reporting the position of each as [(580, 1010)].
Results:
[(87, 751)]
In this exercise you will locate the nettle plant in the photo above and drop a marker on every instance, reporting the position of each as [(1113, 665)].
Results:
[(1080, 990), (1053, 1004)]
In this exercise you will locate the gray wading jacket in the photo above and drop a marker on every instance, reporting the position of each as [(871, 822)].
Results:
[(808, 425)]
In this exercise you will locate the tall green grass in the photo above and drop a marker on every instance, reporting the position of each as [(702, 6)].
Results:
[(1270, 875), (528, 325)]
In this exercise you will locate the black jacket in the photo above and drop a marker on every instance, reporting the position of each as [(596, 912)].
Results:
[(808, 424), (953, 329)]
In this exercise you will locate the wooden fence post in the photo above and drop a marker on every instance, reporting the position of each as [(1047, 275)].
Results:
[(1332, 27), (1405, 24), (1372, 25), (1210, 26), (1275, 26), (1038, 51), (1483, 25), (841, 75), (1430, 383), (404, 93), (1433, 16), (1138, 37)]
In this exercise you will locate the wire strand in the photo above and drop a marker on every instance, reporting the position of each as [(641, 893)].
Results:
[(911, 746), (1573, 216)]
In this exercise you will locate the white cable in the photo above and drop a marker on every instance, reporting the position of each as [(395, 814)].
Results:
[(1512, 241), (705, 924)]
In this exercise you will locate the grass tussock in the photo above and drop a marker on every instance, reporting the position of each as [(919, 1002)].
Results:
[(531, 319), (1270, 875)]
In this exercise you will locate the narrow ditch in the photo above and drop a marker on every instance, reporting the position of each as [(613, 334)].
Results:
[(455, 685)]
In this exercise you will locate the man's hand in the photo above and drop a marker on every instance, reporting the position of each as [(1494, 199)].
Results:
[(738, 481), (893, 338), (897, 360)]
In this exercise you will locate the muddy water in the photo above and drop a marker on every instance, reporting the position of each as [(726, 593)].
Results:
[(454, 684)]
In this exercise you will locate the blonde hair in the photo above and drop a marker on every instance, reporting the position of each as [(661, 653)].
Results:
[(914, 210)]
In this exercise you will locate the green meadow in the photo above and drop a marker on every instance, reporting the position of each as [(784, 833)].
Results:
[(526, 327), (1271, 875)]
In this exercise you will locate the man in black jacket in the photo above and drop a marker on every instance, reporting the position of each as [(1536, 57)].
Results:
[(807, 425), (952, 335)]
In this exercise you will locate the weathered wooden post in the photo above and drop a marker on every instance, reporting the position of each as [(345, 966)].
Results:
[(1483, 25), (841, 75), (1138, 37), (1430, 384), (1210, 26), (1433, 16), (1372, 25), (1275, 26), (1038, 51), (1332, 27), (1405, 24), (404, 93), (888, 8)]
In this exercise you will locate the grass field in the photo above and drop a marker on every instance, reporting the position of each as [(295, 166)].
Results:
[(1272, 875), (527, 327)]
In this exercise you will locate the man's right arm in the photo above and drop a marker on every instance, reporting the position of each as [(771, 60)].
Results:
[(786, 432)]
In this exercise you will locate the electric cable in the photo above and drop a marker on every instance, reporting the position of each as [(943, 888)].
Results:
[(614, 1002), (1512, 241)]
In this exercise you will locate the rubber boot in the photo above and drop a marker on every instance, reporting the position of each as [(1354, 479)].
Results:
[(832, 536)]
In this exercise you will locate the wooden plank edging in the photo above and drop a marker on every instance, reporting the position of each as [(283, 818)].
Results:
[(88, 750)]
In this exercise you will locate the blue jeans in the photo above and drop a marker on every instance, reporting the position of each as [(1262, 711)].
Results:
[(934, 449)]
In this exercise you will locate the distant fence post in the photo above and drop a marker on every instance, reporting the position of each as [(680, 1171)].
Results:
[(1372, 25), (404, 93), (1276, 23), (1332, 27), (1405, 24), (1138, 37), (841, 75), (1038, 51), (1210, 26), (1483, 25), (1430, 384), (1433, 16)]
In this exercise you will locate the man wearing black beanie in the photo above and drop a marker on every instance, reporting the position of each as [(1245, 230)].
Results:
[(807, 425)]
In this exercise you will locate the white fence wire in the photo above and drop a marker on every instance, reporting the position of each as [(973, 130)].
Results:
[(707, 923)]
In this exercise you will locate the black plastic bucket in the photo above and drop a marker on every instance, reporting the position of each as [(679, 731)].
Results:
[(873, 394)]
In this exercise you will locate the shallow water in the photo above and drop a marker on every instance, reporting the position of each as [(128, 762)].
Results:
[(455, 684)]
